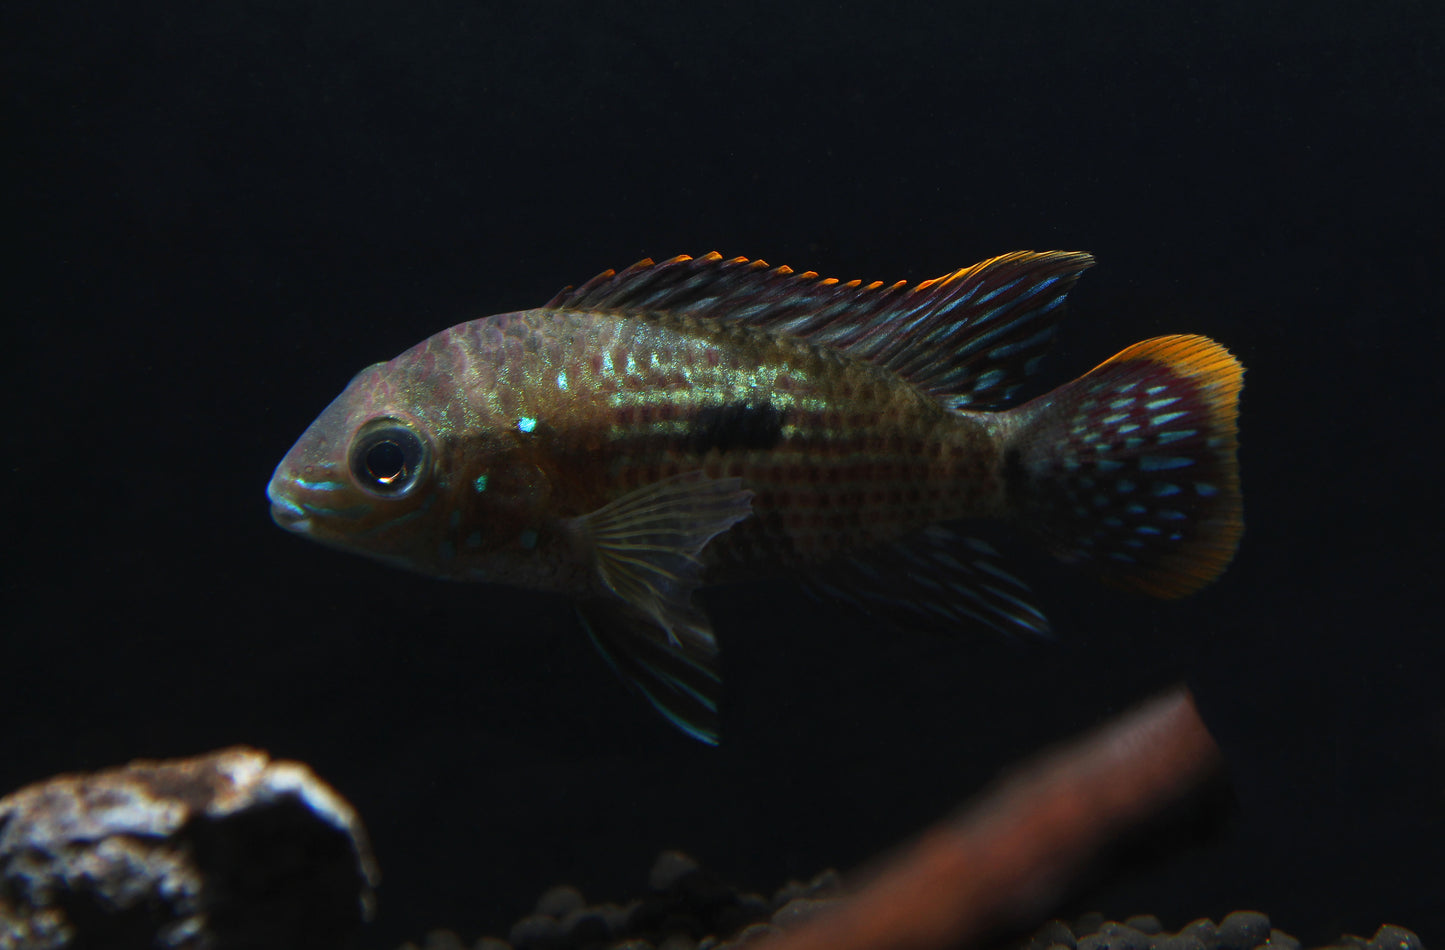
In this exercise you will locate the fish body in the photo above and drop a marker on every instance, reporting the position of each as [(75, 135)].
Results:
[(699, 421)]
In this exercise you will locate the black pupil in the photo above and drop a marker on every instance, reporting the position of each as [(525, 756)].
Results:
[(386, 462), (388, 459)]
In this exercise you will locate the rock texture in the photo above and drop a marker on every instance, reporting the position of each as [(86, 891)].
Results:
[(222, 851)]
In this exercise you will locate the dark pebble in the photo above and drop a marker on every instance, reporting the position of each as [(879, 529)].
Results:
[(678, 923), (1055, 933), (1390, 937), (1204, 929), (1279, 940), (584, 926), (825, 884), (615, 916), (790, 891), (1113, 936), (644, 915), (798, 910), (1145, 924), (442, 940), (536, 931), (1181, 941), (1243, 930), (730, 920), (753, 934), (669, 869), (703, 892), (558, 902)]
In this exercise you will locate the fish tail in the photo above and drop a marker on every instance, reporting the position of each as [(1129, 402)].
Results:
[(1131, 468)]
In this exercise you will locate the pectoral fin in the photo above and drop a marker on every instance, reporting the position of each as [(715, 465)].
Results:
[(647, 547)]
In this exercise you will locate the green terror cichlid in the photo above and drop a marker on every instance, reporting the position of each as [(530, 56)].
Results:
[(705, 420)]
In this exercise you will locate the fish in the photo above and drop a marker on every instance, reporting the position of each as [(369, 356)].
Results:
[(703, 421)]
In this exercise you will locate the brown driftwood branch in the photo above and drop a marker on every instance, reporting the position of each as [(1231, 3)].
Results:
[(1007, 858)]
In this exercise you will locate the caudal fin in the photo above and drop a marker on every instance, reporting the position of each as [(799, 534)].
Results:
[(1131, 468)]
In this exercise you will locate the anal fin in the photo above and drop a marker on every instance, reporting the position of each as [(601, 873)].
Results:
[(935, 580), (681, 683)]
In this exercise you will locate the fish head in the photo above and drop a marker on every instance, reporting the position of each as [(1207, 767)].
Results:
[(363, 477)]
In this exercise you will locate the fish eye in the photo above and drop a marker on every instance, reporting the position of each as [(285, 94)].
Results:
[(388, 458)]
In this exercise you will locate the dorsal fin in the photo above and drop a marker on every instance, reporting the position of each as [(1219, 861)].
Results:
[(968, 337)]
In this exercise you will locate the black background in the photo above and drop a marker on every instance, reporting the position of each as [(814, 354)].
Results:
[(219, 212)]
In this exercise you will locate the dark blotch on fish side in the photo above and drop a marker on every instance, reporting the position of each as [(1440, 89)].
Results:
[(741, 425)]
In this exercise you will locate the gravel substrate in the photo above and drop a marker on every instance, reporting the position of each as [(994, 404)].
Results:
[(686, 908)]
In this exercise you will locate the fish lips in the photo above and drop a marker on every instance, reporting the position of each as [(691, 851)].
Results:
[(286, 512)]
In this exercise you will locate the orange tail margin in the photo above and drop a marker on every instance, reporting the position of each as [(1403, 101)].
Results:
[(1132, 468)]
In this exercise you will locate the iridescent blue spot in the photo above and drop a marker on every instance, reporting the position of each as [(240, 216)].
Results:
[(1164, 489), (529, 539), (526, 424), (562, 380), (1108, 465), (480, 484), (320, 486), (998, 290), (988, 380), (1123, 486), (1168, 515), (1176, 435), (1204, 489), (1148, 529), (474, 540), (1135, 509), (354, 512), (1163, 463)]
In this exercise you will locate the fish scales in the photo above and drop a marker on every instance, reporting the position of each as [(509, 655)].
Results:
[(706, 420), (860, 457)]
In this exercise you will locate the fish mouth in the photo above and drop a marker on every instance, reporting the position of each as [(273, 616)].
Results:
[(285, 512)]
